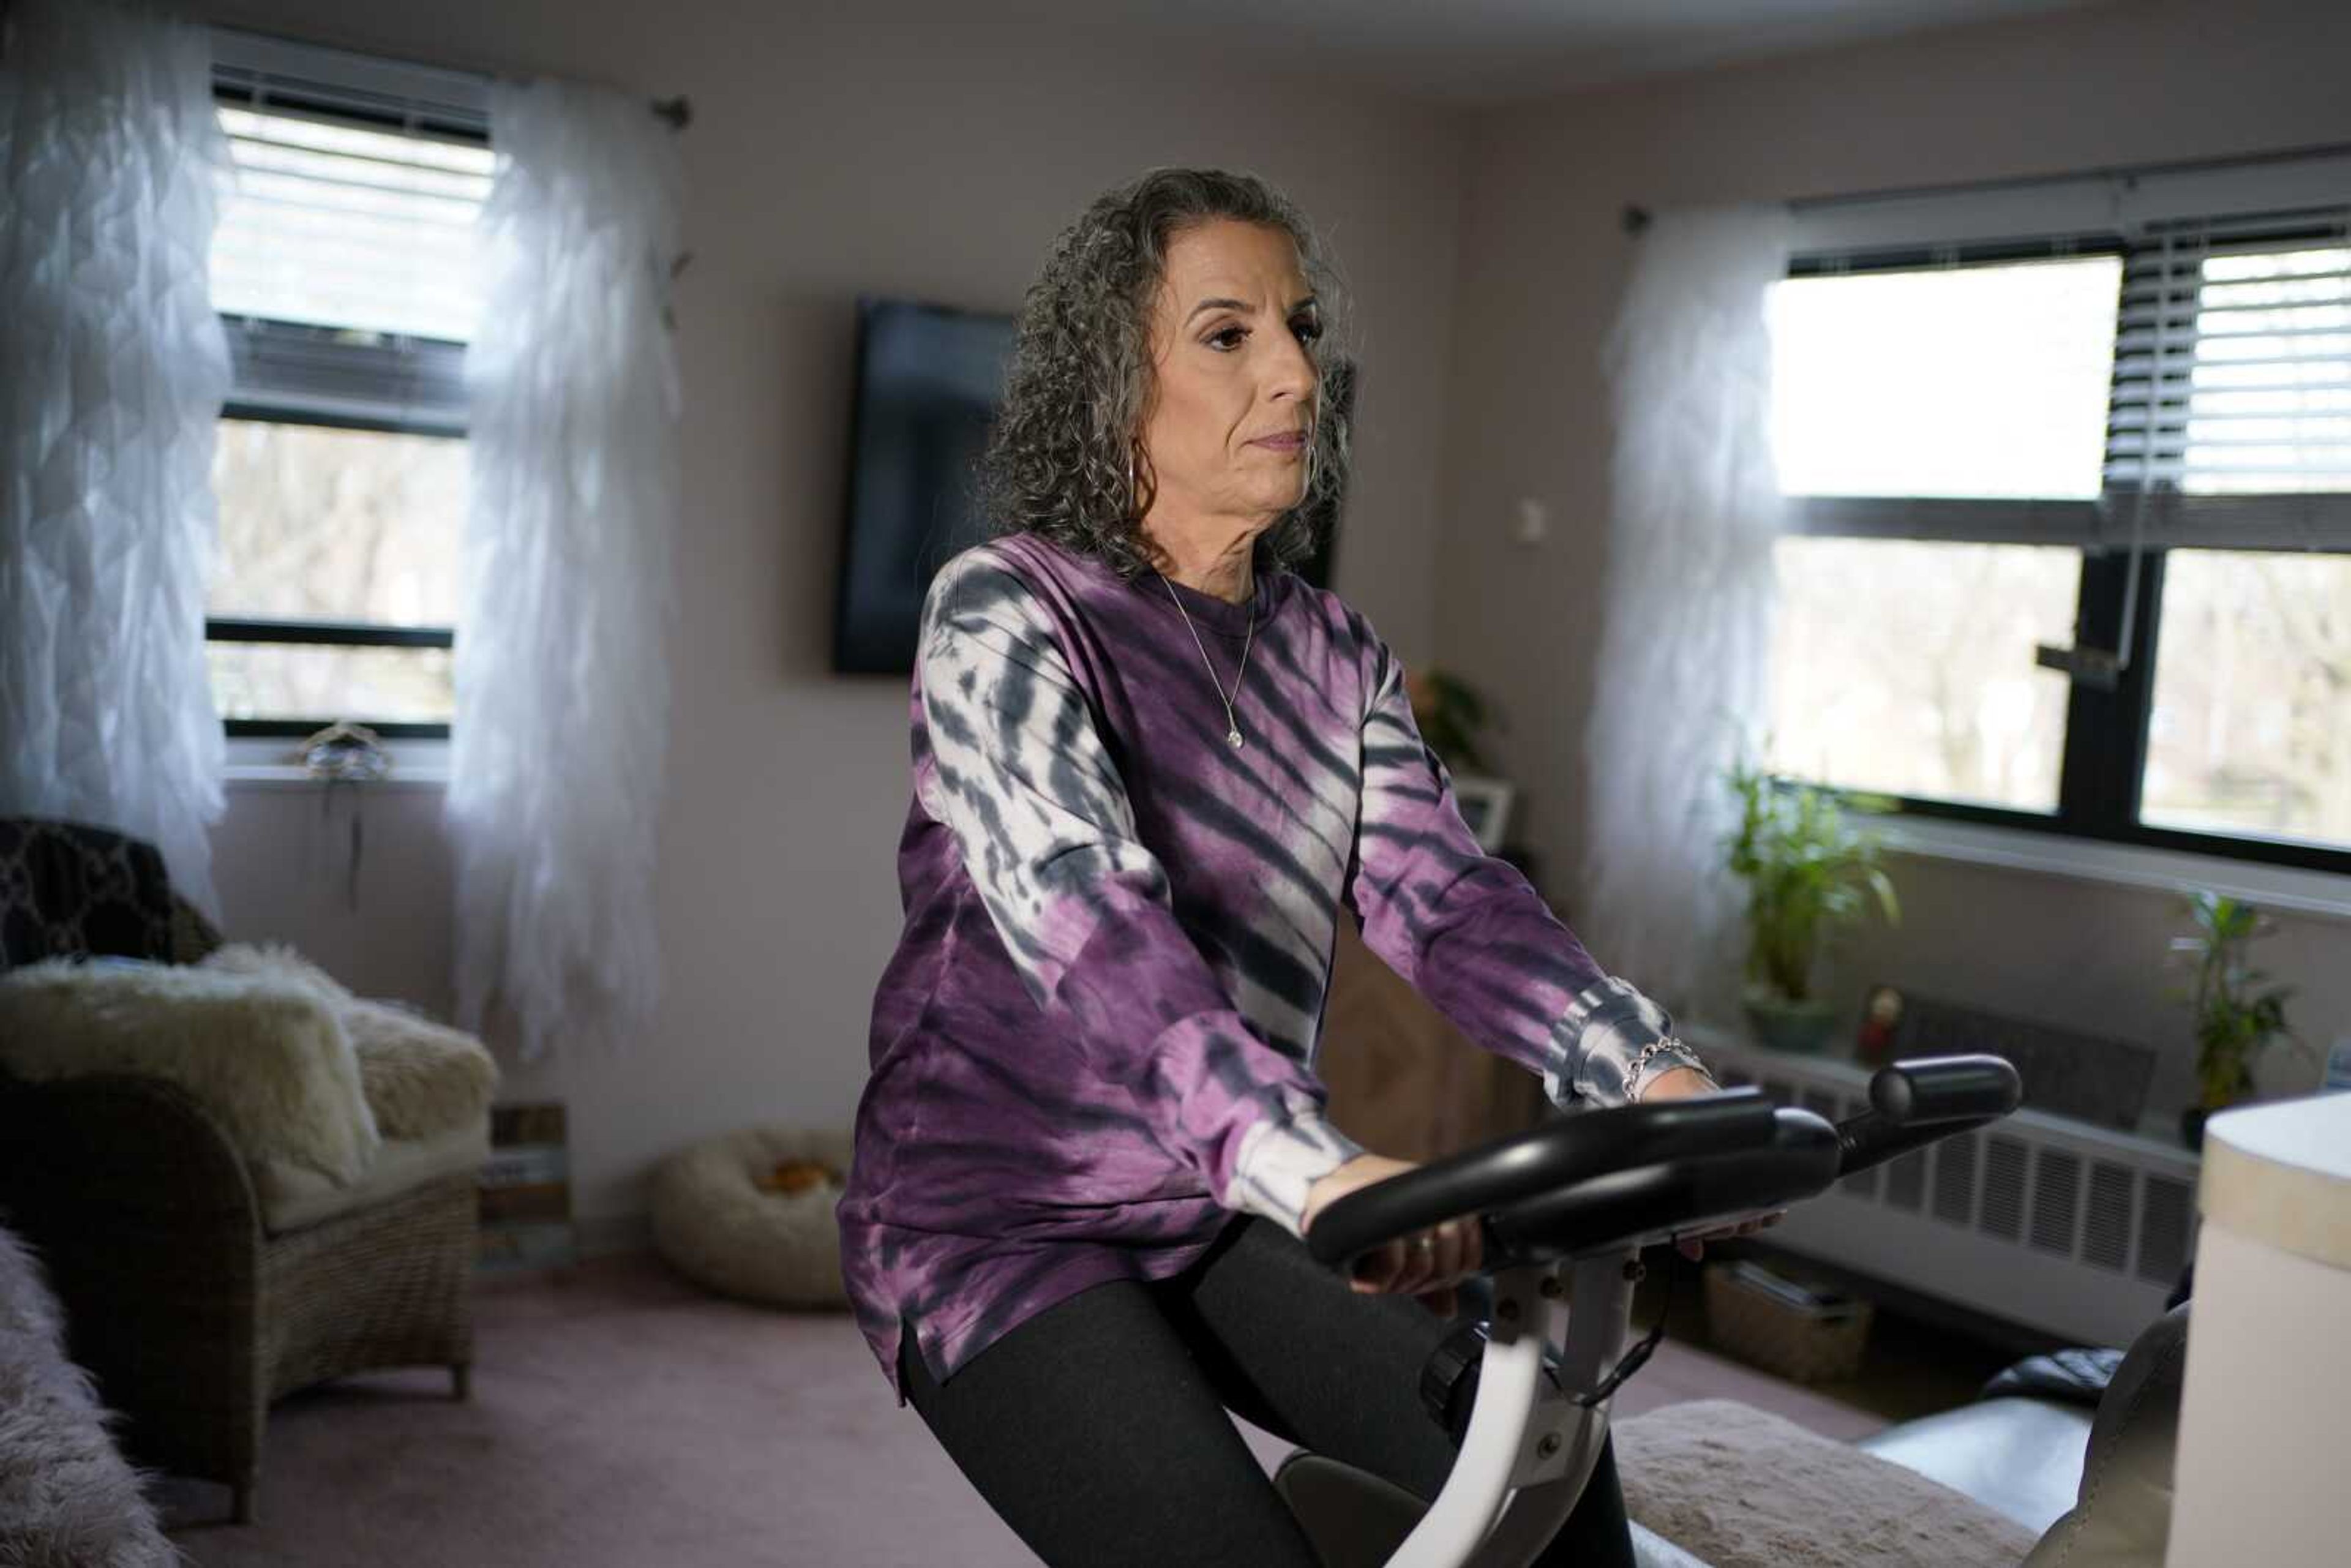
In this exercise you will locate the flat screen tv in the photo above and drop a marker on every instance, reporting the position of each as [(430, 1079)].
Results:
[(929, 380)]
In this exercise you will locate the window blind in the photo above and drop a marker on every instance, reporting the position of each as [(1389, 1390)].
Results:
[(331, 376), (345, 258), (2229, 424)]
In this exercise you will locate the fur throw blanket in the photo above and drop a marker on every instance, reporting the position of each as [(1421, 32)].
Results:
[(421, 1079), (271, 1061), (295, 1068), (67, 1496)]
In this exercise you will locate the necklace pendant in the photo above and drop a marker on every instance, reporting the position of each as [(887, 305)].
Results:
[(1233, 738)]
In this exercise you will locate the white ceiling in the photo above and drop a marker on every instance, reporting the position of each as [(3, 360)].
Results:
[(1491, 51)]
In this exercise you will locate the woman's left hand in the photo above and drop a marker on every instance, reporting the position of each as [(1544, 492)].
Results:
[(1428, 1266), (1679, 1084)]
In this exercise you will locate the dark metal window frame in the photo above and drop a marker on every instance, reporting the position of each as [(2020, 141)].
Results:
[(329, 634), (2103, 763)]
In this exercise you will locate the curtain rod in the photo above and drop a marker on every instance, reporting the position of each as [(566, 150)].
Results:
[(1636, 217)]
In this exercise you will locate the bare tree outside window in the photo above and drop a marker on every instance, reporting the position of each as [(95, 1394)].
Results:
[(349, 526), (1906, 667), (2250, 731)]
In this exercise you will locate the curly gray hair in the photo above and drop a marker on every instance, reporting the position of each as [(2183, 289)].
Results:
[(1065, 458)]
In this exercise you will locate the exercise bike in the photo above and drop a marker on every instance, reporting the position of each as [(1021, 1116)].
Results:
[(1564, 1210)]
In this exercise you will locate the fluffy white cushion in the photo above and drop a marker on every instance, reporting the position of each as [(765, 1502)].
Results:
[(421, 1079), (273, 961), (270, 1059)]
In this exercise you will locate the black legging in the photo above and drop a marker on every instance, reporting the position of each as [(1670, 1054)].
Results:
[(1097, 1428)]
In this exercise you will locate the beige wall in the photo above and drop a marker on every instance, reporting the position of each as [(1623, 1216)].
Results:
[(1544, 257), (830, 157)]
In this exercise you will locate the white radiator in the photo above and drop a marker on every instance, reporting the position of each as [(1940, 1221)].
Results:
[(2070, 1228)]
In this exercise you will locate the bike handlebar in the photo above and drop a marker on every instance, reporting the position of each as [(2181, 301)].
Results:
[(1915, 1103), (1653, 1200), (1946, 1089), (1537, 1161), (1595, 1176)]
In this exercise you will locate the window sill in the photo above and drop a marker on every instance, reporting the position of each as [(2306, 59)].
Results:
[(2274, 887), (260, 763)]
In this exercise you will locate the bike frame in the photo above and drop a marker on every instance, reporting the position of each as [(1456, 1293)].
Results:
[(1529, 1447)]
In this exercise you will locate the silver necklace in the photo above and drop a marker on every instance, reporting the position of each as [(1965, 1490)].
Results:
[(1232, 724)]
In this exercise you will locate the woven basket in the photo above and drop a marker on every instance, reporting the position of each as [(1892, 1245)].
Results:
[(1779, 1337)]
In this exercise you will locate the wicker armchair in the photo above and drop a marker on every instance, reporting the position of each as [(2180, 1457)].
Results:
[(188, 1311)]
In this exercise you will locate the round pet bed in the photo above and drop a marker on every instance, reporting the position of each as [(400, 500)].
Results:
[(750, 1214)]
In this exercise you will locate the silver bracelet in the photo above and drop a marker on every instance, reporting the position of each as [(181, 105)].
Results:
[(1660, 1045)]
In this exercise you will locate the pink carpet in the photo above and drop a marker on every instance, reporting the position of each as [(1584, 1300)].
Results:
[(622, 1420)]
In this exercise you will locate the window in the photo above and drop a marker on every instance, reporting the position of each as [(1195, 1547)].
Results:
[(2011, 460), (2249, 733), (1986, 380), (1926, 691), (344, 269), (349, 539)]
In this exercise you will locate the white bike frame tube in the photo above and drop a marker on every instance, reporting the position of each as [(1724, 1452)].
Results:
[(1484, 1471), (1601, 1294), (1600, 1309), (1538, 1511), (1530, 1448)]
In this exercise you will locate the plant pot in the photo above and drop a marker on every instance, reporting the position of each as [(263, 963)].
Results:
[(1783, 1025)]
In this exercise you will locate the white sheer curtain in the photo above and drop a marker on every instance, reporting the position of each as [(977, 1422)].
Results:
[(561, 666), (1687, 604), (113, 368)]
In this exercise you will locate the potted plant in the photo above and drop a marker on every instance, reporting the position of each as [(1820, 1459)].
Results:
[(1809, 874), (2236, 1019)]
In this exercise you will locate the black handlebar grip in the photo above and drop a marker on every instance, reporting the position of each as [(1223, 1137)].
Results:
[(1540, 1160), (1946, 1089)]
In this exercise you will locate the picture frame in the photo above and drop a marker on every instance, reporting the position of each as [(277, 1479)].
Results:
[(1485, 806)]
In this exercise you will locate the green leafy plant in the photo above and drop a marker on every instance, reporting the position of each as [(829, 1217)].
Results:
[(2236, 1018), (1810, 873), (1451, 716)]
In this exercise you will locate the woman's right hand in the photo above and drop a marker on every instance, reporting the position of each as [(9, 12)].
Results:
[(1426, 1265)]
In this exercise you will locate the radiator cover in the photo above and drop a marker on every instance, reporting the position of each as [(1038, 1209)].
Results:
[(2070, 1228)]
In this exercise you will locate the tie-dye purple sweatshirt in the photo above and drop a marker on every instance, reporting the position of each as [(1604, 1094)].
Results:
[(1096, 1040)]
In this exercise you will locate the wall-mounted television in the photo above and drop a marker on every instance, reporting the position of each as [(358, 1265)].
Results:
[(928, 383)]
